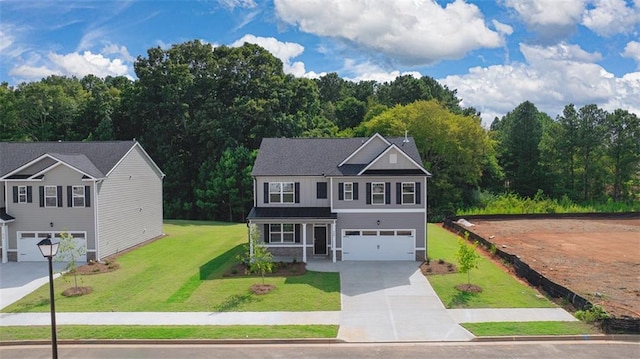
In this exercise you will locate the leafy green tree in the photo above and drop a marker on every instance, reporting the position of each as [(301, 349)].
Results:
[(70, 252), (467, 256), (350, 112), (10, 127), (622, 144), (261, 260), (590, 150)]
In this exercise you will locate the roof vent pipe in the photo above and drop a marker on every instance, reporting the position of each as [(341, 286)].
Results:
[(406, 137)]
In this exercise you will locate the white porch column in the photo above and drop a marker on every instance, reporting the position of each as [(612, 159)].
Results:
[(250, 241), (333, 240), (304, 242), (5, 242)]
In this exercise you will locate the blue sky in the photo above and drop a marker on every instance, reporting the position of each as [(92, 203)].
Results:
[(497, 54)]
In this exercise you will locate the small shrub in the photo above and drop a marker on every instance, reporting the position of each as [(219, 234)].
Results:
[(593, 314), (234, 271), (493, 249), (428, 261), (440, 261)]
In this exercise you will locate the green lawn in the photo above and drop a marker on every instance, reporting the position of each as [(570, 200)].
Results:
[(500, 289), (66, 332), (183, 272), (530, 328)]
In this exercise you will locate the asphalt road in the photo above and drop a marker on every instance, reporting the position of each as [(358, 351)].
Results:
[(493, 350)]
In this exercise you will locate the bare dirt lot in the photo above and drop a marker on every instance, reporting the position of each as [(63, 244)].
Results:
[(596, 258)]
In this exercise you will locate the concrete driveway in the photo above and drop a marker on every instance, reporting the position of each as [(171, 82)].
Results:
[(390, 301), (18, 279)]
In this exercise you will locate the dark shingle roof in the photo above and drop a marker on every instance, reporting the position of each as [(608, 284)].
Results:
[(291, 212), (316, 156), (93, 158)]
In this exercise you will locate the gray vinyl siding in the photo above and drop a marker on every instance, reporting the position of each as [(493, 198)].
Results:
[(415, 221), (366, 154), (361, 202), (31, 217), (2, 195), (308, 196), (384, 162), (129, 204)]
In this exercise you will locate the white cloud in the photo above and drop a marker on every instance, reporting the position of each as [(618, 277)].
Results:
[(610, 17), (551, 19), (410, 31), (232, 4), (6, 40), (551, 78), (72, 64), (632, 50), (285, 51), (502, 28), (367, 71), (112, 49)]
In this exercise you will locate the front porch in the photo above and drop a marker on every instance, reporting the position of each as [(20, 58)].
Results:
[(296, 233)]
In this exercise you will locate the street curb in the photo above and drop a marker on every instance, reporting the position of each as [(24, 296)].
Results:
[(533, 338), (537, 338)]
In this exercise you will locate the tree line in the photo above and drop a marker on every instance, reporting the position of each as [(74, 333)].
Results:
[(201, 113)]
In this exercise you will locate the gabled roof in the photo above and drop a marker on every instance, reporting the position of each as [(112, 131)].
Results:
[(92, 159), (319, 156)]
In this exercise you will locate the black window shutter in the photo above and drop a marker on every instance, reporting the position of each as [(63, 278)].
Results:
[(266, 233), (398, 193), (15, 194), (297, 230), (59, 193), (69, 196), (418, 195), (355, 191), (297, 192), (387, 192), (29, 195), (87, 196), (368, 192), (340, 191), (41, 190), (321, 190), (266, 192)]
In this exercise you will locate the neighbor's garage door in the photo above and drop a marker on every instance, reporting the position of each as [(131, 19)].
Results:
[(28, 250), (378, 245)]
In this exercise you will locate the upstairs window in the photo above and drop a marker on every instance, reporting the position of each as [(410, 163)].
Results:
[(408, 193), (377, 193), (281, 192), (348, 191), (50, 196), (78, 196)]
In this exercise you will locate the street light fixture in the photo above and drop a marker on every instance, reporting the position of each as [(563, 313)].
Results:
[(49, 250)]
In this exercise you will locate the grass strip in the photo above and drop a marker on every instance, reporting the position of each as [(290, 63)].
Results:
[(530, 328), (499, 288), (169, 332)]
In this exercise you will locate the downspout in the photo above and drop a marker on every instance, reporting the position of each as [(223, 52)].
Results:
[(96, 222)]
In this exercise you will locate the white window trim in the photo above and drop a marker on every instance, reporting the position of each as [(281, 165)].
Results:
[(282, 232), (74, 196), (281, 193), (22, 196), (345, 191), (377, 232), (373, 194), (46, 196), (402, 192)]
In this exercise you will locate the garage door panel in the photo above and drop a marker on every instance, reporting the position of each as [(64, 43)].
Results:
[(378, 248), (28, 250)]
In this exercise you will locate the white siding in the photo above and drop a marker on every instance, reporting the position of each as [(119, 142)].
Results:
[(129, 204)]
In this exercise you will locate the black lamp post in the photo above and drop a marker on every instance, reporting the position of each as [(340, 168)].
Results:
[(49, 250)]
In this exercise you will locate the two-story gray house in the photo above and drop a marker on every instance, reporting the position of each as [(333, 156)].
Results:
[(107, 195), (349, 199)]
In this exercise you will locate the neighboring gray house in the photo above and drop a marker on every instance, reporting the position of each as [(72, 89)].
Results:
[(108, 195), (341, 198)]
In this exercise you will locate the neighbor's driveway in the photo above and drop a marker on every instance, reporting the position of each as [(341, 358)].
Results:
[(18, 279), (390, 301)]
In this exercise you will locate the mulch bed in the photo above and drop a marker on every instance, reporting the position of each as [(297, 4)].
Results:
[(469, 288), (437, 267), (281, 269), (97, 268), (77, 291), (261, 289)]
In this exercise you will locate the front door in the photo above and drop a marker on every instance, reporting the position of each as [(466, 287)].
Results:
[(320, 240)]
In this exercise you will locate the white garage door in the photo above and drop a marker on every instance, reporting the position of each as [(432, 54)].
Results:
[(378, 245), (28, 250)]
